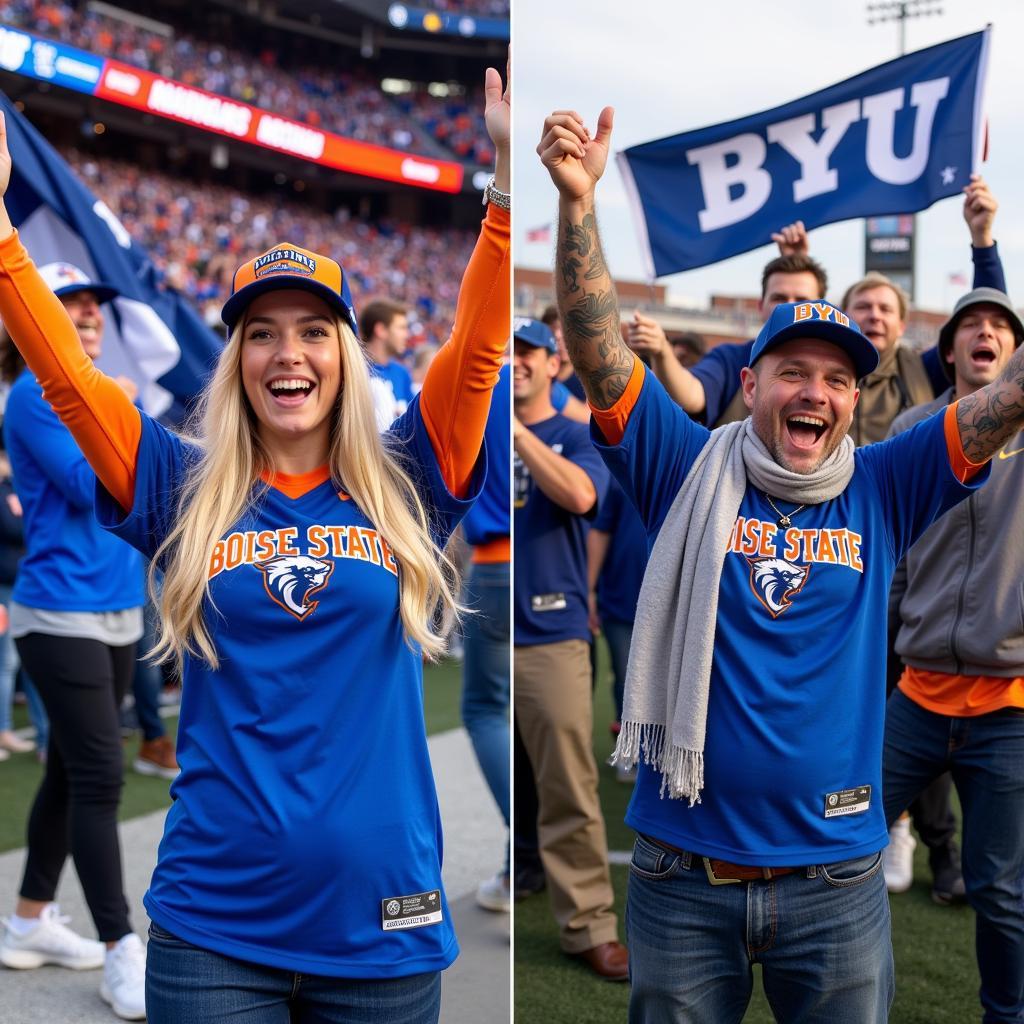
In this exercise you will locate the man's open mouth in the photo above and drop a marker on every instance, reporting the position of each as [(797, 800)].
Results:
[(805, 431)]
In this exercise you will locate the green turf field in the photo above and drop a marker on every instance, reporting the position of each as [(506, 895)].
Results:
[(936, 977), (20, 774)]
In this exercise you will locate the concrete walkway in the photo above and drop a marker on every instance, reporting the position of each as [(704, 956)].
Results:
[(474, 990)]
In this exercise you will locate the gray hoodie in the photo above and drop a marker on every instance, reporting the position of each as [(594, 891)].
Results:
[(958, 596)]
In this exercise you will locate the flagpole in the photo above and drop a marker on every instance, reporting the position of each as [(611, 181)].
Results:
[(899, 11)]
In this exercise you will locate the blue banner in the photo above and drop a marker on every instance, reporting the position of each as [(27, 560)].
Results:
[(891, 140), (49, 61), (154, 335)]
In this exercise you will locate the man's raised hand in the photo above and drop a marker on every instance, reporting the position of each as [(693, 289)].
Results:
[(574, 159)]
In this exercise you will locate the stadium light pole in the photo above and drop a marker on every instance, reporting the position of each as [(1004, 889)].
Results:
[(881, 13)]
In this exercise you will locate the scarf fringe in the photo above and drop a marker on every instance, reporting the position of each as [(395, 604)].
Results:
[(682, 771)]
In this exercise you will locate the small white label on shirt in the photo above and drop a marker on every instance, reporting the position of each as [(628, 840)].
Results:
[(415, 911), (847, 801), (548, 602)]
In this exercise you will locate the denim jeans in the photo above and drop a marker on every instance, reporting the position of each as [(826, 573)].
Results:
[(618, 635), (485, 675), (820, 934), (185, 983), (986, 756)]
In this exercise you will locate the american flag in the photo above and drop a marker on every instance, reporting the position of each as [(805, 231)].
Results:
[(958, 279), (541, 234)]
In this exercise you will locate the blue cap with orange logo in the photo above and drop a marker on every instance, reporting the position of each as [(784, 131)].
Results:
[(288, 266), (820, 320)]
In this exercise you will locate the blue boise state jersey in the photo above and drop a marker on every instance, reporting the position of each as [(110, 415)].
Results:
[(391, 387), (793, 749), (305, 831)]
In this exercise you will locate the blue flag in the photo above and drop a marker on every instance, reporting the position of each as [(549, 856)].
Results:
[(890, 140), (154, 335)]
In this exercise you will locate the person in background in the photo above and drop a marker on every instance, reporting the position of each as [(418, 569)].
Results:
[(486, 636), (959, 704), (385, 332), (559, 483), (76, 617)]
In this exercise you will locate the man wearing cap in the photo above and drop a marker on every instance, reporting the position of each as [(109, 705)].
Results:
[(559, 481), (959, 705), (755, 690)]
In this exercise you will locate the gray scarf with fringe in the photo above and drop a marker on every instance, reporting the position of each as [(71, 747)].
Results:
[(669, 673)]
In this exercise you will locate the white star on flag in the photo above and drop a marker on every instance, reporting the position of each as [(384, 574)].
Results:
[(948, 174)]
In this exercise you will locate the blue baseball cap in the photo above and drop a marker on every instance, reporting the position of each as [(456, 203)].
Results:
[(289, 266), (820, 320), (66, 279), (535, 333)]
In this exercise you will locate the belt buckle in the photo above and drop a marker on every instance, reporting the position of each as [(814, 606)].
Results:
[(715, 880)]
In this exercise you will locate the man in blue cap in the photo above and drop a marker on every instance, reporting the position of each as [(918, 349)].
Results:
[(755, 691), (559, 482)]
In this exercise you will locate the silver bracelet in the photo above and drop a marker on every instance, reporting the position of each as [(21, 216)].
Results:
[(492, 194)]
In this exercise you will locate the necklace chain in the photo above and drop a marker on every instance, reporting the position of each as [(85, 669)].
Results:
[(784, 520)]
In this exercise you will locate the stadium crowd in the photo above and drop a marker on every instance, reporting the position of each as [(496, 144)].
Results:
[(348, 101), (196, 235)]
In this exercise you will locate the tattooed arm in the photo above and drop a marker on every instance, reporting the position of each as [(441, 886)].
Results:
[(587, 302), (993, 414)]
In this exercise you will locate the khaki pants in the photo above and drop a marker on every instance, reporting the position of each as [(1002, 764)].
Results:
[(554, 715)]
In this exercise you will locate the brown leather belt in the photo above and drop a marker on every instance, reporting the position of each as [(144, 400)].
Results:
[(722, 872)]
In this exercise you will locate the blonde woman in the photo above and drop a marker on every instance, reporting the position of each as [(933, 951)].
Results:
[(299, 877)]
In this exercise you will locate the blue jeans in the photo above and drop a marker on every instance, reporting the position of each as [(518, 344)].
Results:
[(485, 674), (185, 983), (618, 635), (820, 934), (986, 756)]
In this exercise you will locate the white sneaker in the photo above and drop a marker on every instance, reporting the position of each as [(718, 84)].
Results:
[(493, 894), (50, 942), (124, 978), (898, 857)]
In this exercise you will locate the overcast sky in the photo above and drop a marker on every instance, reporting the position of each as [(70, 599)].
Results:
[(669, 66)]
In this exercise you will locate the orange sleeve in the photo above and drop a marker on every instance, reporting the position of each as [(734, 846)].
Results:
[(612, 421), (963, 468), (456, 393), (100, 416)]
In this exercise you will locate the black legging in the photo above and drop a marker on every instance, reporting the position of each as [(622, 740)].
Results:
[(81, 683)]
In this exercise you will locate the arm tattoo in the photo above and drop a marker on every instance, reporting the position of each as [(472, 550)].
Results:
[(590, 312), (992, 415)]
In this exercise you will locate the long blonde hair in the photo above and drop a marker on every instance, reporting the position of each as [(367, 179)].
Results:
[(222, 486)]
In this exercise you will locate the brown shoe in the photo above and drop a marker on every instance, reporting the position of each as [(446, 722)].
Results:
[(156, 757), (609, 960)]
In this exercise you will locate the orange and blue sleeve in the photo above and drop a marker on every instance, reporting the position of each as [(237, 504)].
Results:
[(962, 467), (457, 390), (612, 421), (101, 417)]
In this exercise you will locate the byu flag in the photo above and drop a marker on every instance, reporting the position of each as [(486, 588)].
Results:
[(891, 140), (153, 336)]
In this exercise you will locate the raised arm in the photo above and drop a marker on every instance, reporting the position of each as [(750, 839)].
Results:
[(587, 303), (457, 389), (100, 415), (979, 212), (647, 337), (989, 417)]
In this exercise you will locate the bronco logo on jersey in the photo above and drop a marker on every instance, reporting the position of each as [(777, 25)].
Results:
[(774, 581), (291, 580)]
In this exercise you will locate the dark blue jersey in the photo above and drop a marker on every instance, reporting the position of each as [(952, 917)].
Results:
[(550, 589)]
